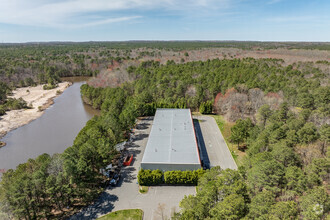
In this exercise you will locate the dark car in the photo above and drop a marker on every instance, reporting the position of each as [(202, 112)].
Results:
[(114, 181)]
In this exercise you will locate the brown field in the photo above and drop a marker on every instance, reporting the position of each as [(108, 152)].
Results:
[(115, 74)]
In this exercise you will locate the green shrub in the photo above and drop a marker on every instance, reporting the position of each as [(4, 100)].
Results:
[(187, 177), (14, 104), (177, 177), (2, 109), (49, 86), (148, 177)]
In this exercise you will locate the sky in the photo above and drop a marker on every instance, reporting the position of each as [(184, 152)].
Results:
[(121, 20)]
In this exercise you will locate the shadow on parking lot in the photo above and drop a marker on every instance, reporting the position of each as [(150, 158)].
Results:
[(142, 126), (103, 205), (139, 137), (135, 151), (201, 145), (147, 118), (127, 175)]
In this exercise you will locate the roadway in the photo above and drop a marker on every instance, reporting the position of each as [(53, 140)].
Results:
[(212, 143)]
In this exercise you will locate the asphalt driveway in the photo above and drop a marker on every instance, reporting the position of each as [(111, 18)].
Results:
[(212, 144)]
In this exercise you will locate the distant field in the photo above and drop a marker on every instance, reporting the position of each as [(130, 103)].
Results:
[(34, 63), (181, 44)]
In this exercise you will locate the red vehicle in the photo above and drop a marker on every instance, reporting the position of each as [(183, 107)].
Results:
[(128, 160)]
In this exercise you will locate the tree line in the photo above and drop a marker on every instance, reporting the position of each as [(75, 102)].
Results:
[(196, 84)]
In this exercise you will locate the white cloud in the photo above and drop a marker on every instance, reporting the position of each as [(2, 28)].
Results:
[(65, 12), (105, 21)]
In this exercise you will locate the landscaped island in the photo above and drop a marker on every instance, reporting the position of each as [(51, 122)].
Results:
[(132, 214)]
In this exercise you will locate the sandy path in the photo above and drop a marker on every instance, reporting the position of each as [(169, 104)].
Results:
[(35, 96)]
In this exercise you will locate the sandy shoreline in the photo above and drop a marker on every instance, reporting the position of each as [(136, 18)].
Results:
[(34, 96)]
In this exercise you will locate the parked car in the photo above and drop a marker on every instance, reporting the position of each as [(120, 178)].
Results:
[(114, 181), (128, 160)]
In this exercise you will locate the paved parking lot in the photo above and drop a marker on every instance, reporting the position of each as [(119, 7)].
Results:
[(159, 201), (212, 144)]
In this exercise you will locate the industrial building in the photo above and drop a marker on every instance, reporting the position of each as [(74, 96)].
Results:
[(172, 142)]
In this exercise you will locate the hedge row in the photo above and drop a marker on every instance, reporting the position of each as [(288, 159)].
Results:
[(148, 177), (177, 177)]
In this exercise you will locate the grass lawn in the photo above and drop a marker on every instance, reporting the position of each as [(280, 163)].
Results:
[(225, 127), (143, 189), (127, 214)]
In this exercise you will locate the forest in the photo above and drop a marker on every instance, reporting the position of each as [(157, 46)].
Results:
[(285, 172), (281, 114)]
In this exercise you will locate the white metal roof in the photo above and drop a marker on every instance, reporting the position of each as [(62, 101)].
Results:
[(172, 138)]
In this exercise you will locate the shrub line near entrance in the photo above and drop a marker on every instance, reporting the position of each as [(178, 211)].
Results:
[(175, 177)]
